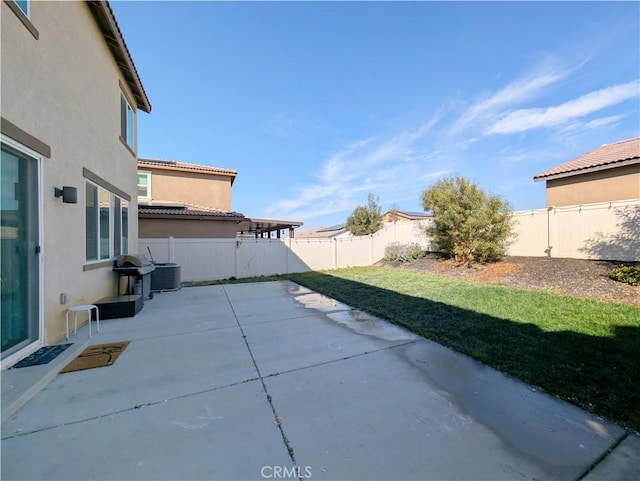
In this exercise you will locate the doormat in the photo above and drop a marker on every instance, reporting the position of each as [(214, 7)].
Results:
[(99, 355), (44, 355)]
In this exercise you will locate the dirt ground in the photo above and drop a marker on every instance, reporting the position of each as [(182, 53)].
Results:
[(576, 277)]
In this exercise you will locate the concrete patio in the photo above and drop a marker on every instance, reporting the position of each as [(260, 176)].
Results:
[(273, 381)]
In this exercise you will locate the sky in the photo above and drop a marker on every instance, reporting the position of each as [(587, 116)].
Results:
[(318, 104)]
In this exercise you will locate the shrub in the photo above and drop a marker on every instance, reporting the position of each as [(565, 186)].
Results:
[(627, 274), (403, 252), (469, 224), (411, 252), (392, 251)]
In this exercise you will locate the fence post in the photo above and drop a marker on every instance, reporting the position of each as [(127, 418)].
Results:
[(335, 252), (172, 249), (370, 249), (550, 229)]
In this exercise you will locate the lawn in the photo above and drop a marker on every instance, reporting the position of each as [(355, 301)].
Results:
[(584, 351)]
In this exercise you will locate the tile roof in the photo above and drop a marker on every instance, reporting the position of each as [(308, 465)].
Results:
[(108, 25), (186, 210), (185, 167), (608, 156)]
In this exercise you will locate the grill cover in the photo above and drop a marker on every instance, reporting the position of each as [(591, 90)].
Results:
[(133, 260)]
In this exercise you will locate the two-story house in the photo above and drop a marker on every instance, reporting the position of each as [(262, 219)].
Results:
[(609, 173), (70, 100), (178, 199)]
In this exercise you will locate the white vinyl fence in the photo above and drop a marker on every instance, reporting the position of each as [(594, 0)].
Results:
[(214, 259), (608, 230)]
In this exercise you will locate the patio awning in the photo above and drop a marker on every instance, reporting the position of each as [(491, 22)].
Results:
[(264, 227)]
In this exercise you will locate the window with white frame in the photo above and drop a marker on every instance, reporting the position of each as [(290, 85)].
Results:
[(107, 224), (144, 185), (127, 122), (23, 5)]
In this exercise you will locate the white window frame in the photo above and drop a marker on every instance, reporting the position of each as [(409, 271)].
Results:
[(128, 134), (146, 198), (112, 224)]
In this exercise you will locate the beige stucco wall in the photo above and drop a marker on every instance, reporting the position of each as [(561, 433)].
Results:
[(608, 185), (63, 89), (195, 188), (185, 228)]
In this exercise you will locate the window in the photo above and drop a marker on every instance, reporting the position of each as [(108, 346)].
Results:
[(120, 226), (127, 122), (107, 224), (144, 185), (23, 5)]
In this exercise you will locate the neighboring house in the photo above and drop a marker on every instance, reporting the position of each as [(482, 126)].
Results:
[(394, 215), (178, 199), (325, 232), (608, 173), (70, 97), (191, 201)]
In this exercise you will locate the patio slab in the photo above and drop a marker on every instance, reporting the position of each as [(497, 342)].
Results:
[(342, 394), (148, 371), (224, 434), (387, 419)]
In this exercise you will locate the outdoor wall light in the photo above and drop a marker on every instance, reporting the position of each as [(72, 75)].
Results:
[(69, 194)]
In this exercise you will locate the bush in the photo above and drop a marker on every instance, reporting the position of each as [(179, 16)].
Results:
[(403, 253), (627, 274), (392, 251), (469, 224)]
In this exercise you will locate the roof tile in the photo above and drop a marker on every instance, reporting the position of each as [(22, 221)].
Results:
[(188, 210), (607, 156), (184, 166)]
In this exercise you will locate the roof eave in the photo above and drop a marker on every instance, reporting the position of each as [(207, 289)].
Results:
[(224, 218), (108, 26), (597, 168), (227, 173)]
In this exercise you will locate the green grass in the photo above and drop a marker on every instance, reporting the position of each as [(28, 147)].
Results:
[(584, 351)]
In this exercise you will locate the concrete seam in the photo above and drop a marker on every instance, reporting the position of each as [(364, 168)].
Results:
[(137, 406), (346, 358), (603, 456), (285, 439)]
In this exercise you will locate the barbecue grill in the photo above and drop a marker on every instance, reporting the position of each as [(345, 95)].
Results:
[(138, 267)]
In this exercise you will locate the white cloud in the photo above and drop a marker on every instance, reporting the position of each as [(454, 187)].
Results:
[(368, 165), (527, 119), (593, 124), (516, 92)]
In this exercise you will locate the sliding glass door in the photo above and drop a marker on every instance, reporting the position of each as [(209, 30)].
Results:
[(19, 262)]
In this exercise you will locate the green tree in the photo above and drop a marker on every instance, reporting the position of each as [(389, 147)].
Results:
[(365, 219), (469, 224)]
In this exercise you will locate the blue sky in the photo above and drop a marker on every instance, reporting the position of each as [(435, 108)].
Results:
[(316, 104)]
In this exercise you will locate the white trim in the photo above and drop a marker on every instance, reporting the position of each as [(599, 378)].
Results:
[(112, 220), (21, 354), (149, 195), (130, 142), (41, 325)]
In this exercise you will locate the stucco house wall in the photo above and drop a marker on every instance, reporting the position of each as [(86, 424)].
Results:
[(621, 183), (185, 228), (193, 187), (63, 89)]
